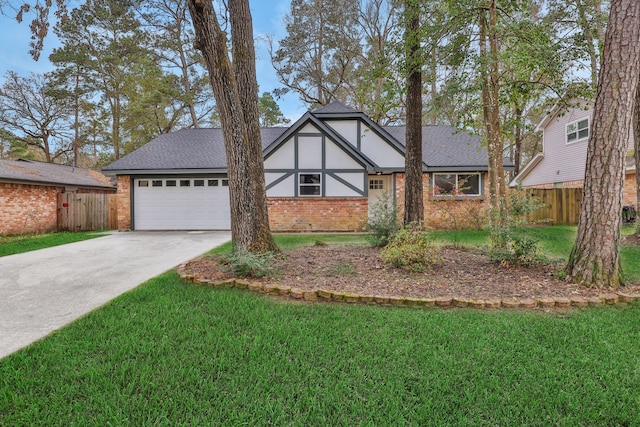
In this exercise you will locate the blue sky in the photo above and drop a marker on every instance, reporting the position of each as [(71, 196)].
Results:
[(267, 20)]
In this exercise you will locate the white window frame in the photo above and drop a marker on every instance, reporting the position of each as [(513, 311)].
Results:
[(301, 184), (457, 175), (576, 130)]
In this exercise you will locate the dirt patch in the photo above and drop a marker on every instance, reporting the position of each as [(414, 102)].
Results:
[(356, 269)]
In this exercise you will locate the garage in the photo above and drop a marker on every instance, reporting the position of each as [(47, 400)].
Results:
[(181, 203)]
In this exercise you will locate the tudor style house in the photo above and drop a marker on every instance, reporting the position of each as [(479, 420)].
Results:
[(562, 162), (322, 173)]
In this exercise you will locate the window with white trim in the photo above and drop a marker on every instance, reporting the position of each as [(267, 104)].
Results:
[(577, 131), (456, 184), (310, 184)]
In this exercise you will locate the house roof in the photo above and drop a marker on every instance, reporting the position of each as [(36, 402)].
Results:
[(334, 107), (561, 106), (444, 148), (186, 149), (42, 173)]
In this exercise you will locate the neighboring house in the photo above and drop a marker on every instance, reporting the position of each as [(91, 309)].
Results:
[(322, 173), (29, 193), (562, 162)]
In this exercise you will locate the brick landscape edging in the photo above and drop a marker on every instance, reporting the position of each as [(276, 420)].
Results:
[(618, 298)]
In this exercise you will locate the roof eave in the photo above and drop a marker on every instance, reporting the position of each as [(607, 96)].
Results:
[(53, 184), (180, 171)]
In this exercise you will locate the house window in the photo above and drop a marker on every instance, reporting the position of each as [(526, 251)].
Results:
[(198, 182), (577, 131), (456, 184), (309, 184), (156, 183), (185, 183), (212, 183), (376, 184)]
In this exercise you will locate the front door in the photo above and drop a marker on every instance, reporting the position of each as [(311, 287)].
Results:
[(379, 189)]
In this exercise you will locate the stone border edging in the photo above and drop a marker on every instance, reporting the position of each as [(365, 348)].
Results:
[(618, 298)]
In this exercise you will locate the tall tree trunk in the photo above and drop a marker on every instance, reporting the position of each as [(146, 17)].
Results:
[(636, 155), (517, 140), (491, 113), (413, 198), (595, 258), (238, 117)]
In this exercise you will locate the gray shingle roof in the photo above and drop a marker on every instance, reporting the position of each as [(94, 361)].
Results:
[(203, 149), (30, 171), (334, 107), (444, 146), (185, 149)]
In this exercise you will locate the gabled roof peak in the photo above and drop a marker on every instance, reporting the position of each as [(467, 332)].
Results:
[(335, 107)]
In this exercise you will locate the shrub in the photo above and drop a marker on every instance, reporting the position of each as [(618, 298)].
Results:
[(520, 249), (412, 249), (251, 265), (509, 245), (383, 221)]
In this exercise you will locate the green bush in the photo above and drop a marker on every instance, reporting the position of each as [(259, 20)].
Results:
[(383, 221), (411, 249), (520, 249), (251, 265)]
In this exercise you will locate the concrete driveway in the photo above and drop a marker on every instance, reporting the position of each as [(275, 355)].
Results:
[(43, 290)]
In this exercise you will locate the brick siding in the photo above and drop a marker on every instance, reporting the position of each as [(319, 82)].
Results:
[(317, 214), (28, 208), (629, 195), (124, 203), (442, 213)]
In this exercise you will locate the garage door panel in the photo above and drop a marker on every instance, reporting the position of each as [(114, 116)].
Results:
[(181, 207)]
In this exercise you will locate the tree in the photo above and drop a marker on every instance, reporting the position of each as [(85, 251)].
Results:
[(269, 111), (172, 38), (112, 45), (319, 57), (490, 77), (413, 199), (636, 155), (235, 88), (595, 257), (35, 115)]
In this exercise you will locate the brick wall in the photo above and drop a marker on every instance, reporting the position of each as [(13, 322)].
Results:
[(317, 214), (124, 203), (629, 195), (28, 208), (442, 213)]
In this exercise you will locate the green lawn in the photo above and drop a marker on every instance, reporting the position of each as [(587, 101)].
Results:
[(10, 245), (173, 353)]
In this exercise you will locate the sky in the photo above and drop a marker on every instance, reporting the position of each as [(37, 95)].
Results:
[(268, 20)]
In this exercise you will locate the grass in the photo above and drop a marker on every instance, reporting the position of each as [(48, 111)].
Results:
[(172, 353), (10, 245), (295, 240)]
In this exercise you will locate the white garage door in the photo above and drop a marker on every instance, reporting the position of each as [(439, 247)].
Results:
[(181, 204)]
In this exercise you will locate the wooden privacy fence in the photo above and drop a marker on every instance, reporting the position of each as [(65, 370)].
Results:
[(561, 205), (86, 212)]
